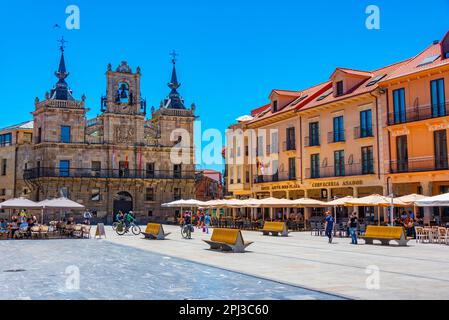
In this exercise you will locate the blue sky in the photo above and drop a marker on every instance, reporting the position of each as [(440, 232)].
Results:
[(232, 53)]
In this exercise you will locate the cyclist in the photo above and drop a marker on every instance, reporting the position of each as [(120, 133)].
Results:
[(129, 218), (119, 217)]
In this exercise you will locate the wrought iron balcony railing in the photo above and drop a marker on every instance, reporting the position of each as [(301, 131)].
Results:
[(336, 136), (312, 141), (37, 173), (363, 133), (418, 113), (282, 176), (356, 169), (419, 165)]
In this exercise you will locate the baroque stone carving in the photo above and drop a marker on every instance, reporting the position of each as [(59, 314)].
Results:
[(124, 134)]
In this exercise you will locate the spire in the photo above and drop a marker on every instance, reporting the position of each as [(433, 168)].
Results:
[(174, 100), (61, 90)]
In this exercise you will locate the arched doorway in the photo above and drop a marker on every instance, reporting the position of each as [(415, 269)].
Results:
[(123, 201)]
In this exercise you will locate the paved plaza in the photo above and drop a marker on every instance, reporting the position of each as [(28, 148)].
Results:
[(418, 271), (298, 267), (42, 270)]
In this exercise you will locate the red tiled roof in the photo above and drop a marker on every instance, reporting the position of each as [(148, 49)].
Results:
[(413, 64), (353, 71), (307, 95), (289, 93), (361, 88), (256, 111)]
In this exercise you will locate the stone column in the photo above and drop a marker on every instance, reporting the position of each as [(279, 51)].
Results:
[(355, 194), (427, 191)]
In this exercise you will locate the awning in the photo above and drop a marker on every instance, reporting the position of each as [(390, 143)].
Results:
[(441, 200), (20, 203)]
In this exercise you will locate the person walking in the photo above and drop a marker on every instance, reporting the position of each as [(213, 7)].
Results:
[(207, 221), (353, 222), (87, 216), (329, 230)]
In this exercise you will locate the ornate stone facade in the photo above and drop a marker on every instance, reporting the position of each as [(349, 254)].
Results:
[(117, 161)]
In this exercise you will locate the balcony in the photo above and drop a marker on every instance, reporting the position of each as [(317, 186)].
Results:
[(419, 165), (360, 133), (282, 176), (37, 173), (418, 113), (289, 145), (336, 136), (312, 141), (348, 170)]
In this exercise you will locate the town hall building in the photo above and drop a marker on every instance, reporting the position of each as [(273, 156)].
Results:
[(120, 160)]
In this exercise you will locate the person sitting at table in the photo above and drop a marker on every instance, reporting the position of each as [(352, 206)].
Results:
[(3, 224), (13, 227)]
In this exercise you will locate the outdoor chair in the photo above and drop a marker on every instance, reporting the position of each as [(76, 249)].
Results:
[(442, 235), (320, 229), (43, 231), (313, 227), (78, 231), (35, 231), (421, 235)]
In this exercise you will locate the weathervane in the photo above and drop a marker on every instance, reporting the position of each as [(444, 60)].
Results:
[(174, 55), (62, 42)]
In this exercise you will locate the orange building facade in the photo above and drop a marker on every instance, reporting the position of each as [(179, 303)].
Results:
[(359, 133)]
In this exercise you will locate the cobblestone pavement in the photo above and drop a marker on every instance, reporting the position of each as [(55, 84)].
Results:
[(47, 269), (418, 271)]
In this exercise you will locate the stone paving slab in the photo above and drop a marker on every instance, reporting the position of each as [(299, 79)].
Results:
[(43, 269), (419, 271)]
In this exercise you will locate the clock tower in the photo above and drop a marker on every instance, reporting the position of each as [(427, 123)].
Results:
[(123, 109)]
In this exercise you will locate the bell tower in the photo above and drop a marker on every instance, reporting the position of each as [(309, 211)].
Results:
[(123, 108)]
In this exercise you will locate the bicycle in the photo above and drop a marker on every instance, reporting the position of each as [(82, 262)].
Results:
[(121, 228), (186, 231)]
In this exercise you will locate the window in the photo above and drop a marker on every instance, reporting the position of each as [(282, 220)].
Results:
[(314, 134), (375, 80), (247, 178), (4, 166), (177, 171), (65, 134), (402, 153), (275, 171), (291, 139), (95, 194), (366, 124), (246, 151), (367, 160), (315, 165), (177, 193), (438, 98), (150, 213), (292, 168), (339, 163), (399, 105), (64, 192), (149, 194), (440, 147), (2, 192), (5, 139), (39, 135), (339, 130), (428, 60), (339, 88), (239, 175), (231, 176), (274, 142), (64, 168), (260, 146), (150, 170), (96, 168), (275, 106), (123, 169)]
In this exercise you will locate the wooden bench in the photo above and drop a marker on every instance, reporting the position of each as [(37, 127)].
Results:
[(227, 240), (385, 235), (155, 231), (275, 228)]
